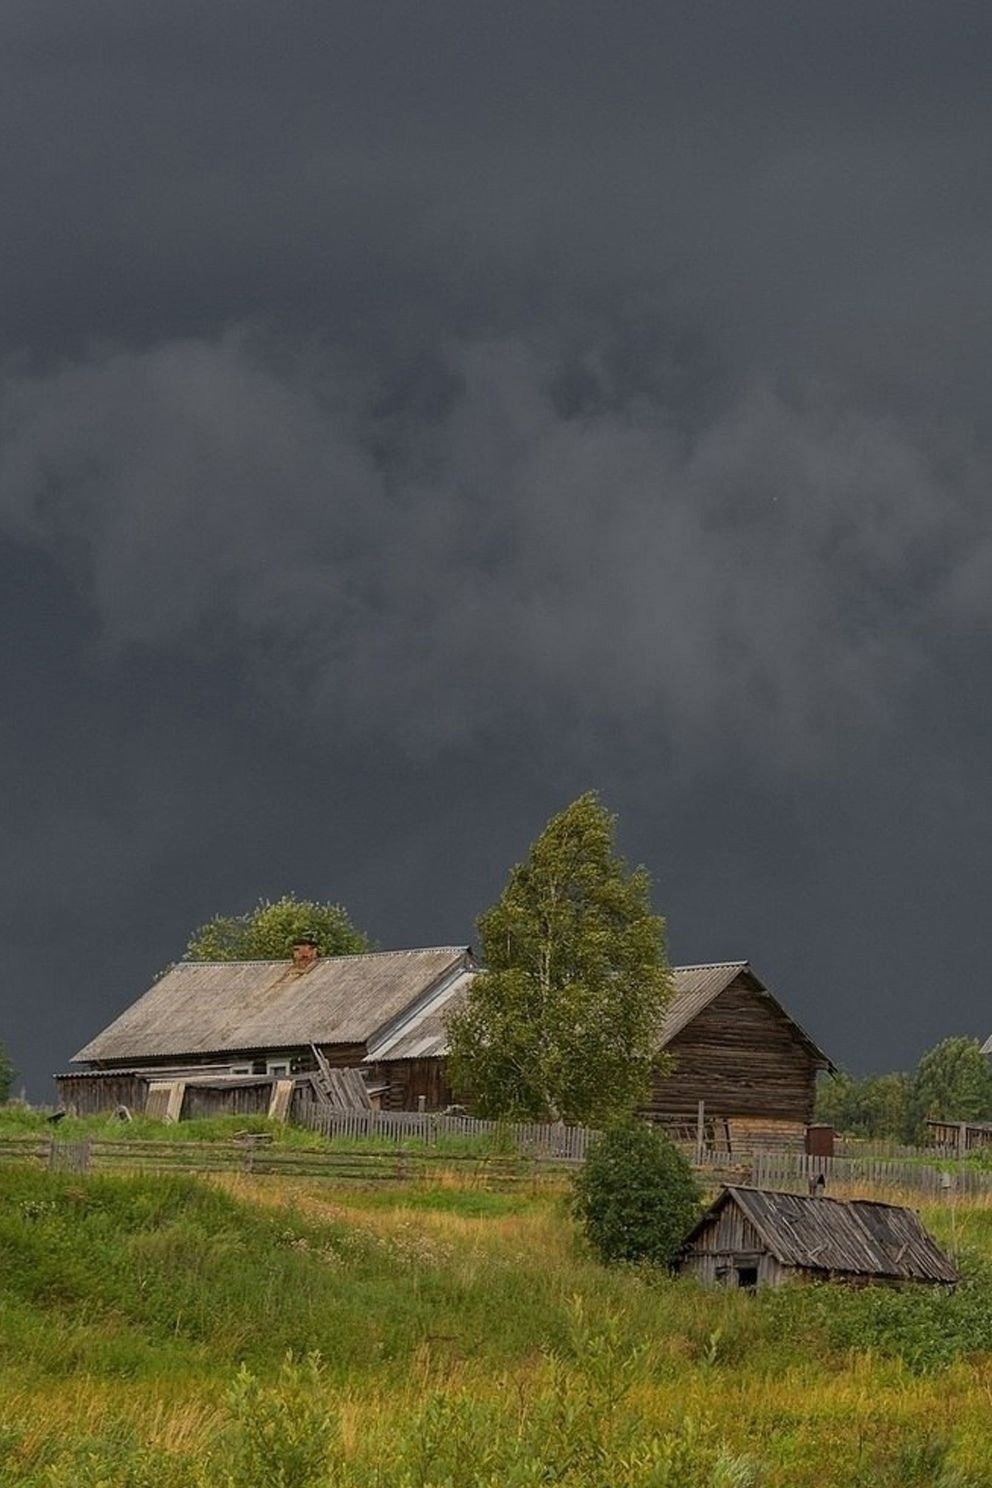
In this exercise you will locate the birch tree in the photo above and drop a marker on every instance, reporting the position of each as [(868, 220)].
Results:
[(562, 1023)]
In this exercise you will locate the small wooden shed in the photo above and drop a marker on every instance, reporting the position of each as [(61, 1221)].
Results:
[(751, 1238)]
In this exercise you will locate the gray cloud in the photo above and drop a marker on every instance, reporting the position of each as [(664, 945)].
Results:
[(785, 564)]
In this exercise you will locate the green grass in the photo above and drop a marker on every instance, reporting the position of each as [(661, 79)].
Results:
[(449, 1337), (18, 1121)]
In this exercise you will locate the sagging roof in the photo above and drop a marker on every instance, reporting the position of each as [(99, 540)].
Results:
[(852, 1236), (694, 988), (212, 1007)]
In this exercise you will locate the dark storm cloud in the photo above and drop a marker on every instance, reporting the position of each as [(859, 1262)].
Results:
[(412, 413), (788, 564)]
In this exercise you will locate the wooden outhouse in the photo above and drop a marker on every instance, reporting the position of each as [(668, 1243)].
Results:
[(752, 1238)]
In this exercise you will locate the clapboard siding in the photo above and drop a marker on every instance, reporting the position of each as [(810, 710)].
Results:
[(724, 1246), (743, 1057)]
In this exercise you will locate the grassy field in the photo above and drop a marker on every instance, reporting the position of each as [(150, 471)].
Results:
[(167, 1332)]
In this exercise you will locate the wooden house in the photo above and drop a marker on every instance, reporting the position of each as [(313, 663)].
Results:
[(250, 1037), (752, 1238), (734, 1050), (740, 1071)]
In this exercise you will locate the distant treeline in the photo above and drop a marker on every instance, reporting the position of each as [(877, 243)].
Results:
[(952, 1082)]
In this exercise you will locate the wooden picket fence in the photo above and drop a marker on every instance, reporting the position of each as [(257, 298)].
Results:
[(532, 1153), (552, 1141), (794, 1171)]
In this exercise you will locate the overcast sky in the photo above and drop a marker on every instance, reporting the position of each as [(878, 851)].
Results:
[(414, 414)]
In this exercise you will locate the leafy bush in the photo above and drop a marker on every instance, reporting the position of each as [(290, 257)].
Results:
[(636, 1195)]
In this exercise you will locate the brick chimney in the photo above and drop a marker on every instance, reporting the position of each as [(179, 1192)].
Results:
[(305, 952)]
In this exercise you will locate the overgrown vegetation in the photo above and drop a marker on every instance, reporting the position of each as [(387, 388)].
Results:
[(168, 1332), (18, 1120), (563, 1022), (7, 1073)]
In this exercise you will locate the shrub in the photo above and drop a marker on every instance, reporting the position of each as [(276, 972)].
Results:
[(635, 1195)]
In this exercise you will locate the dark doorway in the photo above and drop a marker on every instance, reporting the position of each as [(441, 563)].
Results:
[(747, 1277)]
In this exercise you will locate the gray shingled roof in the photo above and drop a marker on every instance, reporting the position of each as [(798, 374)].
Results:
[(208, 1007), (423, 1035), (853, 1236)]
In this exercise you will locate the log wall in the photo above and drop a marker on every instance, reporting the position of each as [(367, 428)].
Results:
[(742, 1057), (409, 1079)]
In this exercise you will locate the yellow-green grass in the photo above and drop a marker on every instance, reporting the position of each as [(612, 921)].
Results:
[(466, 1341)]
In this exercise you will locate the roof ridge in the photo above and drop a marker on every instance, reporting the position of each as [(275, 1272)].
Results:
[(351, 956), (708, 965)]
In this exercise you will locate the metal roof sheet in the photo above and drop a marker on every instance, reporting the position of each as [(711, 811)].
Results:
[(854, 1236), (206, 1007), (423, 1035)]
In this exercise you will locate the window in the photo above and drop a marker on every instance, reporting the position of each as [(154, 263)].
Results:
[(747, 1277), (240, 1069), (278, 1067)]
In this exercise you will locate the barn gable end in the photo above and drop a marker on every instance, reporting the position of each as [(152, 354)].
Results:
[(746, 1059)]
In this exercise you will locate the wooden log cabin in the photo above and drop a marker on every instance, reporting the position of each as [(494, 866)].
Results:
[(226, 1026), (732, 1048), (734, 1057)]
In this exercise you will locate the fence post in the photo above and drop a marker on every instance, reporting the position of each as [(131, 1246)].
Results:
[(700, 1132)]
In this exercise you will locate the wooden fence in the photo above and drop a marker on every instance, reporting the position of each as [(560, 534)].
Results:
[(544, 1141), (393, 1164), (795, 1171), (550, 1158)]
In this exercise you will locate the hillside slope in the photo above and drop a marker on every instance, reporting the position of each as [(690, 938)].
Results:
[(172, 1332)]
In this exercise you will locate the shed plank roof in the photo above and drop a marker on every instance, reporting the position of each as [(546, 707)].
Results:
[(205, 1007), (856, 1236)]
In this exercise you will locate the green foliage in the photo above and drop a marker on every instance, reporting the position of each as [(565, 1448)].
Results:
[(865, 1106), (563, 1021), (925, 1328), (952, 1082), (286, 1433), (269, 931), (19, 1121), (7, 1073), (636, 1195)]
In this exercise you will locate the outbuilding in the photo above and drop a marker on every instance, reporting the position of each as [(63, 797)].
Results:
[(751, 1237)]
